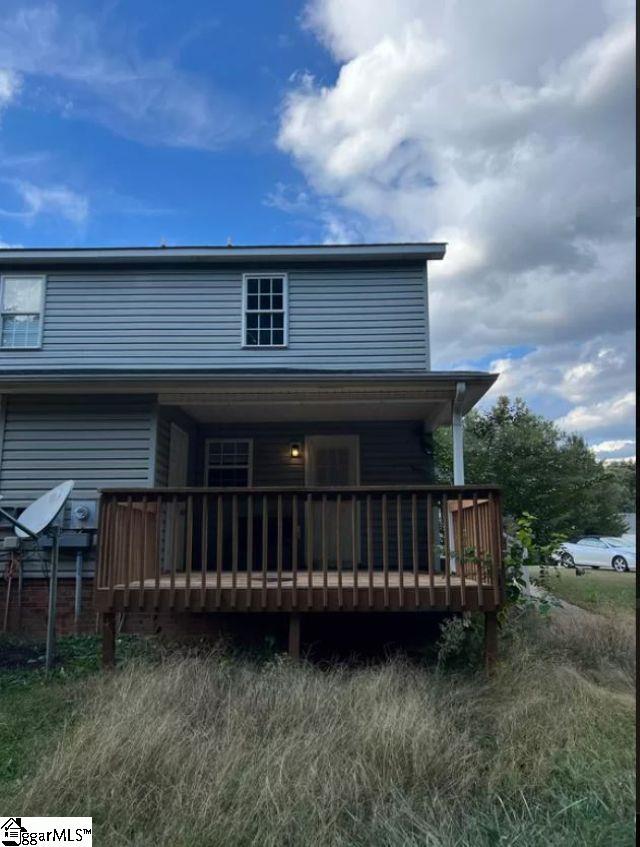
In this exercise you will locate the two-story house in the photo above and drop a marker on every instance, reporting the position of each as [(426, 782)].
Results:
[(257, 423)]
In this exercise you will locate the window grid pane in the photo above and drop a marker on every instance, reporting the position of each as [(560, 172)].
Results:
[(228, 463), (20, 331), (264, 312)]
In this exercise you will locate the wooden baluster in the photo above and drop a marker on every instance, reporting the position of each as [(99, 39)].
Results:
[(101, 542), (279, 550), (265, 548), (478, 549), (174, 552), (400, 550), (234, 550), (143, 557), (370, 549), (414, 548), (354, 548), (294, 550), (130, 548), (249, 550), (309, 545), (112, 505), (219, 549), (323, 543), (107, 541), (204, 559), (447, 549), (339, 549), (385, 550), (430, 559), (460, 554), (158, 562), (188, 552)]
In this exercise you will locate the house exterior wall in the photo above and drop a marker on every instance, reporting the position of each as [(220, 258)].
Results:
[(391, 452), (98, 441), (342, 317), (106, 441)]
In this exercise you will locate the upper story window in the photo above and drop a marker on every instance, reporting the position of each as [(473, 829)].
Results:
[(21, 308), (264, 310)]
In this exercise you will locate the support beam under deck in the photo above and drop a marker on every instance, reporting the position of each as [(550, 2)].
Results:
[(294, 635)]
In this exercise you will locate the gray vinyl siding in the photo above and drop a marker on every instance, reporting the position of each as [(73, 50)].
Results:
[(349, 317), (390, 452), (98, 441)]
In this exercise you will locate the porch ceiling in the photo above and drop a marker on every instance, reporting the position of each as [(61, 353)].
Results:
[(426, 398)]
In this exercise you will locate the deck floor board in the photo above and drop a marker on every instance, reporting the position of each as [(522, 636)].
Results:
[(303, 580)]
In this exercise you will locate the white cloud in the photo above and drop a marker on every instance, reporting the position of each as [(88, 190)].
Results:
[(509, 134), (57, 200), (9, 86), (80, 67), (599, 415), (612, 446)]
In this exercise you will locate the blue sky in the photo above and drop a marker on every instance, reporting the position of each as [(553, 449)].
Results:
[(141, 182), (287, 122)]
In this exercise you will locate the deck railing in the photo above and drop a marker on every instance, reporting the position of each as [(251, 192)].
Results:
[(252, 549)]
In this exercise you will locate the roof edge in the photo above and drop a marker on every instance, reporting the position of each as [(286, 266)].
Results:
[(422, 251)]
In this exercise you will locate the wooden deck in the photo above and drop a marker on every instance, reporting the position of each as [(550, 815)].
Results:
[(272, 592), (300, 550)]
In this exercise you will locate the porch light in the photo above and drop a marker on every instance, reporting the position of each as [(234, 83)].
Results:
[(295, 450)]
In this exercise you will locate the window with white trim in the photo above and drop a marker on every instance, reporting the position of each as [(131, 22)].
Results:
[(228, 463), (21, 307), (264, 316)]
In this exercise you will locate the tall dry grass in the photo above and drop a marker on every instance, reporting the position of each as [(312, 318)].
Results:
[(214, 751)]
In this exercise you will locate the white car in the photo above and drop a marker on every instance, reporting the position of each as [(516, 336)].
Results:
[(599, 551)]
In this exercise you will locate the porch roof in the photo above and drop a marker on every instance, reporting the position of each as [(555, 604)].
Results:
[(285, 396), (428, 397)]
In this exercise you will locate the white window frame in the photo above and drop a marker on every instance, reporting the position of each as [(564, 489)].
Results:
[(285, 310), (207, 466), (43, 290)]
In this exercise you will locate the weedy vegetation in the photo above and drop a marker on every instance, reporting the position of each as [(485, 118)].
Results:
[(209, 748)]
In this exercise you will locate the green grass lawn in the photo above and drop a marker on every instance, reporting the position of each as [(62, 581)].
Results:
[(213, 749), (602, 591)]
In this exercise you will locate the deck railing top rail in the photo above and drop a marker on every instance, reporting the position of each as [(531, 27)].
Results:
[(307, 489)]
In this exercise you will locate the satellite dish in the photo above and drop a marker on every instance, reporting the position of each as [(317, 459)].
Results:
[(43, 511)]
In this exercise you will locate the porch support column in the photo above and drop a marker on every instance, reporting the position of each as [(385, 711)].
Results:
[(490, 641), (294, 636), (108, 640), (458, 435)]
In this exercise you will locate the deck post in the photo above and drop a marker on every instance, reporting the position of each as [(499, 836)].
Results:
[(108, 640), (294, 635), (490, 640)]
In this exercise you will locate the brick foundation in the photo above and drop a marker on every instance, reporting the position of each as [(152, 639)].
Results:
[(333, 633), (28, 613)]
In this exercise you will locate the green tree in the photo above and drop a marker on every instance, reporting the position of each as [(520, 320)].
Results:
[(623, 476), (541, 470)]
